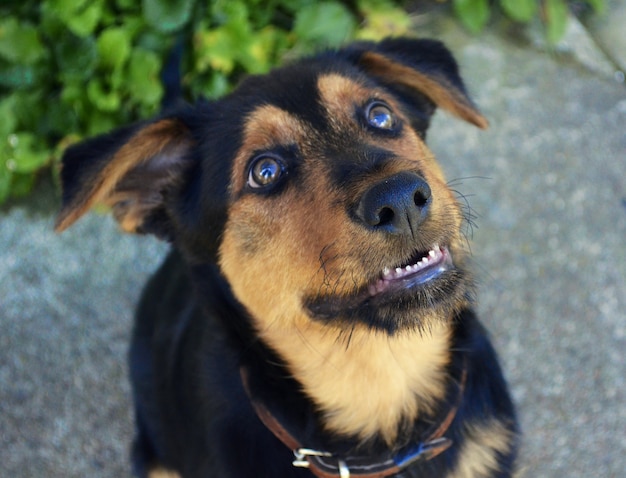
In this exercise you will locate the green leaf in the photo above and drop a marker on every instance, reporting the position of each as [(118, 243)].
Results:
[(76, 57), (19, 43), (150, 39), (9, 121), (29, 109), (5, 183), (72, 93), (167, 15), (83, 22), (234, 43), (126, 4), (100, 122), (26, 152), (116, 79), (215, 49), (5, 179), (50, 25), (474, 14), (556, 14), (294, 6), (324, 23), (19, 77), (22, 184), (597, 5), (144, 83), (519, 10), (256, 57), (263, 14), (114, 45), (103, 98), (65, 8), (212, 86), (382, 19), (229, 11), (57, 119), (80, 16)]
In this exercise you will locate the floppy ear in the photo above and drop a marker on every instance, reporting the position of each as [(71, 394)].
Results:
[(131, 169), (424, 73)]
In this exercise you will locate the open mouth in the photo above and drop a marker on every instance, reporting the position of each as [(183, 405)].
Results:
[(428, 280), (420, 269)]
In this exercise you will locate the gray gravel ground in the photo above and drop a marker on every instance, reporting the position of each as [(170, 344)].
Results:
[(548, 181)]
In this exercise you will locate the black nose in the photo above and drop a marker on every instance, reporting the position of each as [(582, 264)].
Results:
[(396, 205)]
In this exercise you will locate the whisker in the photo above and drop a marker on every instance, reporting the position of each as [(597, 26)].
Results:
[(456, 181)]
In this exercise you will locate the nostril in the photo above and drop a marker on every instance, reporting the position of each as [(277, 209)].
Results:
[(420, 199), (422, 194), (385, 216)]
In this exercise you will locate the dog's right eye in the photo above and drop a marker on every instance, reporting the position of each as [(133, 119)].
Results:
[(264, 171), (380, 116)]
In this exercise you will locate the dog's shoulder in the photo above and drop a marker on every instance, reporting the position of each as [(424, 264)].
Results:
[(488, 438)]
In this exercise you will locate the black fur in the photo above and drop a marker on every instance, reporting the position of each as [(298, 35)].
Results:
[(209, 426), (192, 336)]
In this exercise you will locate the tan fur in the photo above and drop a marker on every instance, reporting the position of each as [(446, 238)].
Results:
[(364, 382), (131, 217), (162, 473), (478, 454), (441, 93), (267, 127), (164, 136), (370, 384), (341, 94)]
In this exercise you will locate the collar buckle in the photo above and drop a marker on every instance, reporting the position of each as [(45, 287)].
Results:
[(301, 455), (301, 460)]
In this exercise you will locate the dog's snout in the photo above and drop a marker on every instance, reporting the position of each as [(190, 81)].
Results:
[(396, 205)]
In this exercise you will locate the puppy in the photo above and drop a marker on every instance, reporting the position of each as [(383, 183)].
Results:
[(313, 317)]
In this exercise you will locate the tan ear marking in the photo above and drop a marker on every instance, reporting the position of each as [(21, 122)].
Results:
[(165, 136), (441, 93)]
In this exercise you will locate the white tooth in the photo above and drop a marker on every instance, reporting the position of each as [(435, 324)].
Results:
[(425, 260), (419, 264), (432, 253), (386, 271), (398, 270), (408, 268)]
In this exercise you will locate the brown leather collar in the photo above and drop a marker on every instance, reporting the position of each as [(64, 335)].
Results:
[(324, 464)]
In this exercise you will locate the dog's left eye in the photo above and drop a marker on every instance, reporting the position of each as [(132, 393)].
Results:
[(380, 116), (264, 171)]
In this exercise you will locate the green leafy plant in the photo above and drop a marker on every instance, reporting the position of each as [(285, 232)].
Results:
[(475, 14), (75, 68)]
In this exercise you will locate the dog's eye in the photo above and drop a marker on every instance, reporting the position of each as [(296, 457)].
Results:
[(264, 171), (380, 116)]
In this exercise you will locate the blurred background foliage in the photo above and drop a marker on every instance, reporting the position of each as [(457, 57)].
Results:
[(75, 68)]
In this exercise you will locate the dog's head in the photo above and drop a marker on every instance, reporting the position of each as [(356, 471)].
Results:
[(310, 188)]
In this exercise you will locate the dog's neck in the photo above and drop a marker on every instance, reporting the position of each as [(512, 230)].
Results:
[(366, 383)]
